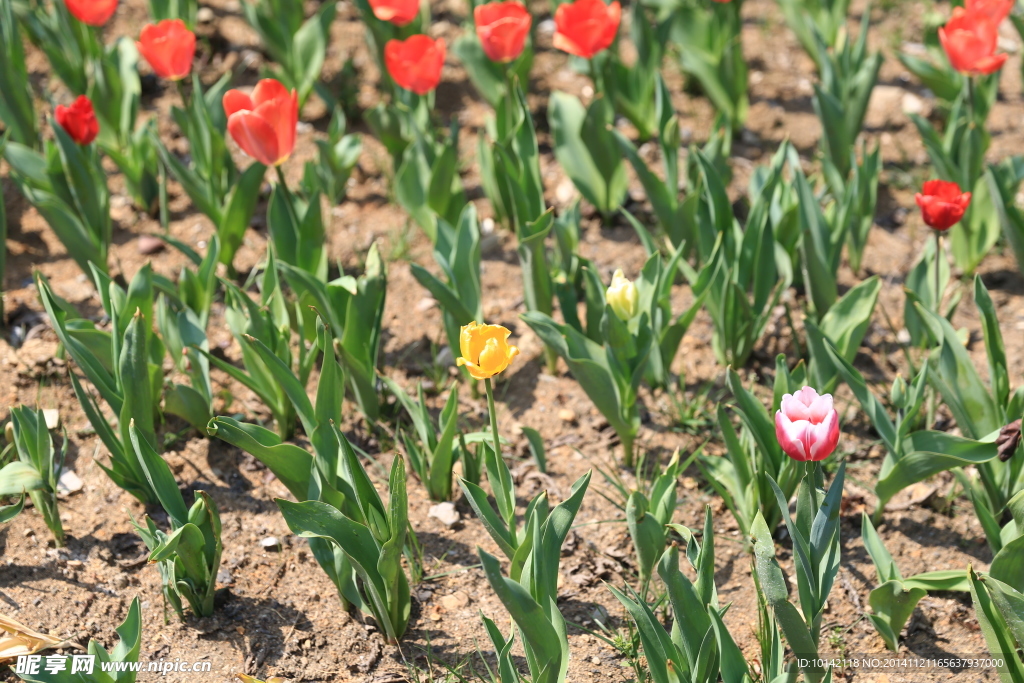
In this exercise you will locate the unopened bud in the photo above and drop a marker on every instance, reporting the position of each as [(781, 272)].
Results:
[(898, 395), (622, 296)]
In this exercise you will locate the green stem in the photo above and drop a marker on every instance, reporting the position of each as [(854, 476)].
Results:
[(289, 198), (46, 503), (627, 449), (970, 101), (938, 256), (494, 417)]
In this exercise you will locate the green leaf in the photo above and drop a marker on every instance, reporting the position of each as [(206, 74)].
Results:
[(892, 604), (288, 462), (159, 475), (17, 478)]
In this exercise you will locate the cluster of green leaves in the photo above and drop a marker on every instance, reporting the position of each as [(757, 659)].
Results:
[(608, 356), (529, 591), (36, 470), (68, 186), (1004, 181), (189, 555), (123, 364), (212, 181), (127, 650), (297, 44), (741, 475), (894, 600), (699, 648), (707, 39), (109, 76), (816, 549), (337, 156)]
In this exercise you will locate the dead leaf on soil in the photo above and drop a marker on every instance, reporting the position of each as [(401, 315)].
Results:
[(18, 639)]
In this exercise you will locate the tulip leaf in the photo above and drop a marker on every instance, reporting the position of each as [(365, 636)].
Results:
[(288, 462)]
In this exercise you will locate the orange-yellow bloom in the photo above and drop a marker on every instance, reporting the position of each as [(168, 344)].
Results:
[(485, 349)]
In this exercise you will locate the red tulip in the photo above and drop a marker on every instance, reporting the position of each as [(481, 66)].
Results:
[(169, 48), (415, 63), (942, 204), (807, 426), (970, 39), (78, 120), (996, 10), (263, 125), (92, 12), (502, 28), (398, 12), (585, 27)]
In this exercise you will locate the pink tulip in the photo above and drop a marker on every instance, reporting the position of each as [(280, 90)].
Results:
[(807, 426)]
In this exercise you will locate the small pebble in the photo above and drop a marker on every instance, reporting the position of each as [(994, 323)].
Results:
[(271, 543), (567, 415), (445, 513), (148, 245), (455, 601)]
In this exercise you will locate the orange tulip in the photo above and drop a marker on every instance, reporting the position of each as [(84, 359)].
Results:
[(585, 27), (970, 40), (78, 120), (169, 48), (398, 12), (502, 28), (263, 125), (92, 12), (415, 63)]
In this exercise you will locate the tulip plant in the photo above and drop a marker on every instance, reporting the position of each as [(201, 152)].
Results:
[(69, 35), (213, 183), (495, 51), (894, 600), (297, 44), (700, 647), (337, 157), (433, 458), (123, 365), (1003, 183), (16, 108), (817, 23), (189, 556), (181, 318), (808, 431), (36, 471), (530, 590), (372, 537), (610, 358), (999, 606), (740, 280), (67, 184), (969, 40), (707, 38), (120, 659), (457, 253), (647, 518)]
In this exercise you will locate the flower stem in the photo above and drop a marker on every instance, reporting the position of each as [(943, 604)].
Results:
[(494, 417), (289, 199), (938, 255)]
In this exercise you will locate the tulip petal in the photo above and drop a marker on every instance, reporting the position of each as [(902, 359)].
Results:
[(255, 136), (235, 101)]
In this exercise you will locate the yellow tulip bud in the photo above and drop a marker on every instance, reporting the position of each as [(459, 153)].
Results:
[(622, 296), (485, 349)]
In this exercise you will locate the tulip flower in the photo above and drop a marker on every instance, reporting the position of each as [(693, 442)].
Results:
[(415, 63), (485, 349), (622, 296), (585, 27), (502, 28), (168, 47), (92, 12), (970, 40), (807, 426), (263, 124), (78, 120), (942, 204), (398, 12), (996, 10)]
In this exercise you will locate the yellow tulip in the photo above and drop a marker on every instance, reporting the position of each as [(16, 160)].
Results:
[(622, 296), (485, 349)]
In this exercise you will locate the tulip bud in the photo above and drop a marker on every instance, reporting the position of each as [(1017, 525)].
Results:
[(807, 425), (622, 296), (9, 432), (898, 395)]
